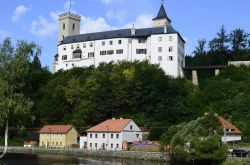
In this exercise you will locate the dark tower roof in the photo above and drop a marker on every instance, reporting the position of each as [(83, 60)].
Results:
[(162, 14)]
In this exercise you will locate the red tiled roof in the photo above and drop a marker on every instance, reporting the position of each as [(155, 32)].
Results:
[(111, 125), (55, 128), (227, 125)]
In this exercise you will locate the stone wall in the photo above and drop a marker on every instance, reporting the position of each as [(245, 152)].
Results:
[(137, 155)]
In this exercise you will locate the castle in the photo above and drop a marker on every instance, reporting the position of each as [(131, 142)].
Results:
[(160, 44)]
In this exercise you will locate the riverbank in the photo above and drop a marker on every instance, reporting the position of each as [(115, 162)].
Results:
[(133, 155)]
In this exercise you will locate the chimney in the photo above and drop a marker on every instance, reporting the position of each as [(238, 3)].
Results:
[(133, 30)]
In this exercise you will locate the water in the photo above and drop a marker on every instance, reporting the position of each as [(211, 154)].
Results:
[(45, 159)]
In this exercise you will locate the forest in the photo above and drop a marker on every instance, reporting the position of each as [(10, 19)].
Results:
[(137, 90)]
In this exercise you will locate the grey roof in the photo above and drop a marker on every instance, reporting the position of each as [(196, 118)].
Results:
[(123, 33), (162, 14)]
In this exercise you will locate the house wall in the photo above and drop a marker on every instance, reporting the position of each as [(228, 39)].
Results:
[(52, 140), (230, 138), (131, 135), (71, 137), (83, 139)]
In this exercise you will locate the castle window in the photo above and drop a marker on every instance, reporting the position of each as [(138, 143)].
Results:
[(159, 58), (160, 39), (159, 49), (73, 27), (119, 41), (77, 46), (103, 53), (72, 46), (63, 26), (170, 38), (141, 51), (84, 45), (119, 51), (91, 44), (103, 43), (91, 54), (141, 41), (64, 47), (170, 58), (170, 49), (110, 42), (64, 57), (110, 52), (117, 136)]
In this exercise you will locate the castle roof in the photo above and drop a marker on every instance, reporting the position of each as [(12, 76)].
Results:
[(162, 14), (123, 33)]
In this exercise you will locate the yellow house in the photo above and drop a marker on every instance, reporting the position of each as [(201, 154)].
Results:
[(57, 136)]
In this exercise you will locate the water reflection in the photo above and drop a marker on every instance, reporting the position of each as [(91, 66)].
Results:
[(45, 159)]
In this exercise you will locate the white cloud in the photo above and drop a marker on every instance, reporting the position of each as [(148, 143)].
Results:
[(142, 21), (118, 15), (107, 2), (67, 6), (19, 12), (43, 27)]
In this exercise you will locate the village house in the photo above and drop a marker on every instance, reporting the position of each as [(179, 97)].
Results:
[(112, 134), (230, 132), (58, 136)]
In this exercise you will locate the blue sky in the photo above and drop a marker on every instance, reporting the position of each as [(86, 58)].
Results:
[(36, 20)]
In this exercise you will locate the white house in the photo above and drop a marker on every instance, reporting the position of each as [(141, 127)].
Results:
[(112, 134), (230, 132), (160, 44)]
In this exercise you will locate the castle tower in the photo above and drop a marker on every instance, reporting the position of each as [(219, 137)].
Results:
[(162, 18), (68, 25)]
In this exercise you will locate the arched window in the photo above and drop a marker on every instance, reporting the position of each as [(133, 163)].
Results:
[(73, 26), (63, 26)]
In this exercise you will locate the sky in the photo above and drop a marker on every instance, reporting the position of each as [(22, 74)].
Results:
[(36, 20)]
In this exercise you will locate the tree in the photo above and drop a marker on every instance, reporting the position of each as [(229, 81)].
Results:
[(239, 40), (200, 49), (219, 43), (14, 65)]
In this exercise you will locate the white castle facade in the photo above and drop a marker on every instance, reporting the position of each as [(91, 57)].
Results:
[(160, 44)]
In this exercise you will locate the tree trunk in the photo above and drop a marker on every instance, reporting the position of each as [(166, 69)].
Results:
[(6, 141)]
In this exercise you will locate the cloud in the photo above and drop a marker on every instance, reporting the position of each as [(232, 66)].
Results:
[(44, 27), (118, 15), (19, 12), (142, 21), (108, 2), (68, 6)]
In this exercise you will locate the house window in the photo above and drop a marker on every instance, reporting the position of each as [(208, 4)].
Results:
[(170, 58), (117, 145), (103, 53), (73, 27), (119, 51), (60, 143), (66, 65), (91, 135), (90, 144), (103, 43), (84, 45), (141, 41), (131, 127), (56, 58), (170, 49), (96, 136), (52, 143), (103, 135), (160, 39), (77, 46), (110, 52), (64, 48), (119, 42), (137, 135), (111, 146), (141, 51), (64, 57), (112, 136), (91, 54), (159, 58), (63, 26), (96, 145), (170, 38), (117, 136), (56, 143), (42, 143), (91, 44), (110, 42), (159, 49), (77, 55), (73, 65)]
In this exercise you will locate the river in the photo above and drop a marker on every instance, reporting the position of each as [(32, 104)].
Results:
[(45, 159)]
